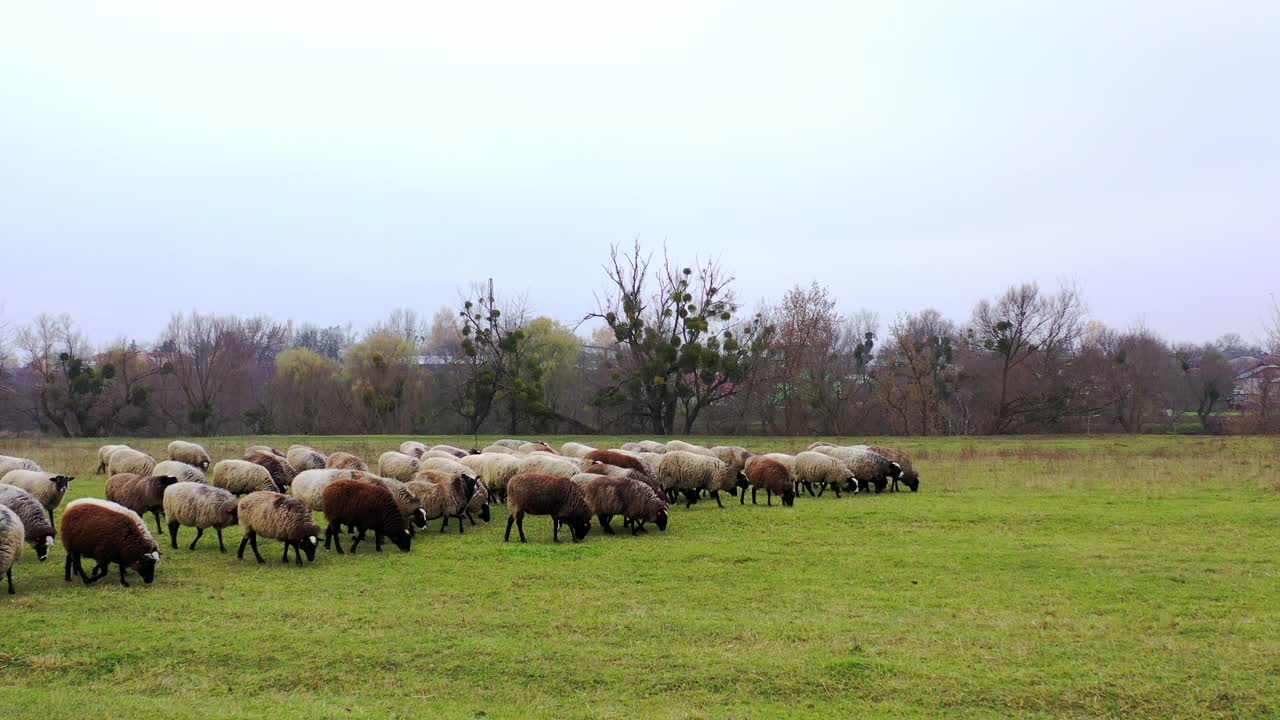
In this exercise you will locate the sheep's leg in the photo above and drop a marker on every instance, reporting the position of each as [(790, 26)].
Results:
[(742, 498), (511, 519), (156, 514), (836, 487), (253, 543), (51, 518), (199, 534), (335, 533), (377, 541), (66, 569), (9, 574), (808, 486), (444, 524), (285, 560), (173, 534), (768, 496), (716, 494), (244, 542), (355, 540), (555, 529), (297, 553), (604, 523), (473, 520), (520, 526), (460, 530), (753, 495), (821, 489), (690, 496), (122, 574), (221, 547)]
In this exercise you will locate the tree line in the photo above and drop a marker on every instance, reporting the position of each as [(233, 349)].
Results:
[(671, 349)]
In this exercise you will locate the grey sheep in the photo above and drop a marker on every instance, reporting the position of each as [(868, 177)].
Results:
[(690, 473), (11, 536), (37, 529), (636, 502), (199, 506), (280, 517)]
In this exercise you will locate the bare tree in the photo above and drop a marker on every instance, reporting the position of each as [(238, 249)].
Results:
[(1209, 378), (1272, 328)]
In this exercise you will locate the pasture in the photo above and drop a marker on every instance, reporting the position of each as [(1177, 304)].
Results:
[(1127, 577)]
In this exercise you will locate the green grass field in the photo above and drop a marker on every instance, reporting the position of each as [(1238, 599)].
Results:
[(1125, 577)]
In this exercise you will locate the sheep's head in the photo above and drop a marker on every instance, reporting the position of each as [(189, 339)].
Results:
[(851, 483), (43, 546), (484, 512), (233, 514), (580, 529), (661, 519), (61, 482), (739, 483), (204, 465), (309, 545), (146, 566), (419, 517), (469, 485), (789, 497), (403, 540), (166, 480), (912, 482)]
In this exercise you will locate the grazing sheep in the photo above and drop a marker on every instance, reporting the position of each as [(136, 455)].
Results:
[(303, 458), (11, 536), (509, 443), (264, 449), (199, 506), (189, 453), (533, 447), (242, 477), (107, 532), (621, 459), (48, 488), (440, 455), (636, 502), (454, 451), (819, 444), (104, 457), (408, 501), (309, 485), (128, 460), (790, 462), (479, 504), (398, 465), (649, 446), (447, 499), (363, 506), (8, 464), (36, 527), (452, 466), (180, 470), (682, 446), (575, 450), (413, 447), (732, 455), (538, 494), (141, 494), (280, 517), (615, 471), (281, 471), (869, 468), (543, 464), (495, 471), (771, 476), (498, 450), (908, 475), (346, 461), (690, 473), (814, 468)]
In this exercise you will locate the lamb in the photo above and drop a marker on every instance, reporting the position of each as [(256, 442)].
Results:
[(398, 465), (281, 471), (36, 527), (447, 499), (104, 456), (407, 500), (11, 535), (575, 450), (128, 460), (242, 477), (636, 502), (732, 455), (868, 467), (107, 532), (544, 464), (346, 461), (908, 476), (180, 470), (682, 446), (558, 497), (413, 447), (771, 476), (364, 506), (303, 458), (199, 506), (189, 453), (690, 473), (495, 471), (280, 517), (141, 494), (814, 468), (47, 487), (620, 459)]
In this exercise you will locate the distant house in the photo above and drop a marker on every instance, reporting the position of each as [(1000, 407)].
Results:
[(1252, 385)]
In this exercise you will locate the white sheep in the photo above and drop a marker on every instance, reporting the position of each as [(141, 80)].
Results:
[(240, 477), (398, 465), (413, 447), (814, 468), (189, 453), (495, 471), (128, 460), (575, 450), (180, 470), (49, 488), (682, 446), (869, 468), (104, 456), (545, 464), (302, 457), (9, 463), (690, 473)]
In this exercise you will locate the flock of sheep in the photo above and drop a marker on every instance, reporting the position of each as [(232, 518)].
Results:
[(274, 495)]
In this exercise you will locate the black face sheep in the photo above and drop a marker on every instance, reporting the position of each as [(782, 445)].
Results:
[(140, 494), (241, 477), (908, 476), (48, 488), (446, 497), (690, 473), (869, 468), (180, 470), (345, 461), (280, 517), (365, 507), (35, 526), (199, 506), (11, 535), (636, 502), (479, 504), (281, 471), (128, 460), (814, 468), (304, 458), (104, 456), (189, 453), (558, 497), (771, 476), (107, 532)]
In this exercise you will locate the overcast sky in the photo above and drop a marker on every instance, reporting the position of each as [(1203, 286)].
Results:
[(329, 162)]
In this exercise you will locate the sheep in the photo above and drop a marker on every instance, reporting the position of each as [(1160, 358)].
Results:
[(8, 463), (180, 470), (479, 504), (533, 447), (575, 450), (689, 473), (636, 502), (364, 506), (242, 477), (682, 446), (621, 459), (867, 467), (908, 475), (509, 443), (440, 455), (281, 471), (48, 488), (36, 527), (773, 477), (814, 468), (732, 455), (544, 464), (107, 532), (494, 470), (141, 494), (104, 456), (11, 536), (398, 465), (819, 444), (498, 450), (558, 497), (615, 471), (649, 446), (303, 458), (309, 486), (454, 451), (128, 460), (346, 461), (413, 447), (189, 453), (408, 501), (199, 506), (447, 465), (280, 517), (264, 449), (447, 499)]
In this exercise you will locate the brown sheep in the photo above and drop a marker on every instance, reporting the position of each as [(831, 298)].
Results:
[(636, 502), (281, 471), (365, 507), (345, 461), (619, 459), (107, 533), (558, 497), (280, 517), (141, 494), (771, 476)]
